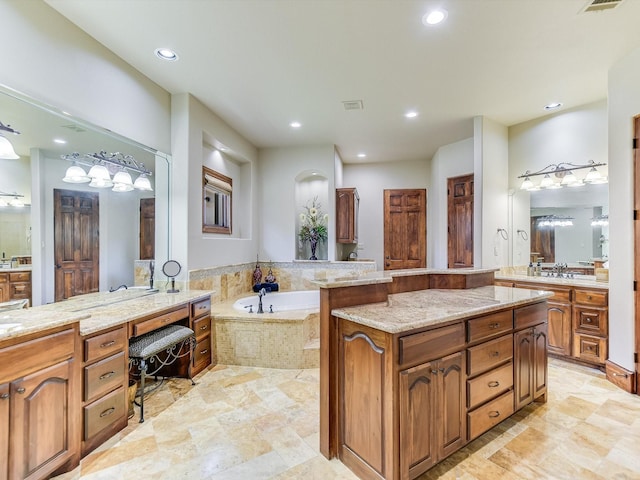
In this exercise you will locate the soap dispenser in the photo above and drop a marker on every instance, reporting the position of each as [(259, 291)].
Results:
[(538, 269), (530, 270)]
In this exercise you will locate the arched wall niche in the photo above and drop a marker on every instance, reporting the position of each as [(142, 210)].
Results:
[(311, 186)]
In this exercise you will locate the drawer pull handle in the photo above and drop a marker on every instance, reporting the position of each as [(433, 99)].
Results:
[(107, 375), (493, 326), (494, 354), (4, 396), (435, 372), (588, 320), (493, 384), (202, 352), (107, 412), (589, 297), (203, 327), (165, 320), (494, 414), (108, 344), (614, 374), (21, 390)]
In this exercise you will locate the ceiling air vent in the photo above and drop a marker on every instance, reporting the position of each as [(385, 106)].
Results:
[(353, 105), (600, 5)]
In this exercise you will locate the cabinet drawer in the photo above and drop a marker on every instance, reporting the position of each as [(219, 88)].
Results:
[(4, 277), (489, 385), (20, 290), (105, 344), (27, 357), (489, 326), (102, 413), (202, 352), (487, 355), (483, 418), (530, 315), (593, 321), (432, 344), (20, 276), (202, 326), (560, 295), (103, 376), (597, 298), (160, 321), (590, 348), (201, 308)]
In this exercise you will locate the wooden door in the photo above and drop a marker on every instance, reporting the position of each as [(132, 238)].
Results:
[(559, 325), (460, 222), (40, 422), (147, 228), (543, 241), (636, 236), (405, 230), (417, 420), (540, 360), (76, 243), (523, 363)]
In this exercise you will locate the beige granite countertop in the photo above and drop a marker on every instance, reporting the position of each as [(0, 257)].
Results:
[(578, 281), (95, 311), (386, 276), (23, 268), (427, 308)]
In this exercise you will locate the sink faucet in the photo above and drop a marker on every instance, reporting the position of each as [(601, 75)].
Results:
[(261, 294)]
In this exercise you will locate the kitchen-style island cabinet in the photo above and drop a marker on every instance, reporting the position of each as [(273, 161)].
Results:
[(409, 378)]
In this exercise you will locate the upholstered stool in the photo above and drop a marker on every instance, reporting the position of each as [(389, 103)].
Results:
[(154, 350)]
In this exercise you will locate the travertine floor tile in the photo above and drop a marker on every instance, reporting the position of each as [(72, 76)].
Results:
[(255, 423)]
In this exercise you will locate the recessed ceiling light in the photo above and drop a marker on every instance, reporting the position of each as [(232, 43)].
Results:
[(411, 114), (295, 124), (362, 155), (552, 106), (60, 141), (434, 17), (166, 54)]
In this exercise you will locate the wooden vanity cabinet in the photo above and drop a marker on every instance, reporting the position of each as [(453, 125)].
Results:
[(39, 404), (105, 384), (347, 204), (201, 325), (15, 286), (530, 355)]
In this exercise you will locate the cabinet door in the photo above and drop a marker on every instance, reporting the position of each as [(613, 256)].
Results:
[(524, 366), (417, 414), (540, 360), (346, 215), (559, 323), (4, 431), (40, 422), (451, 404)]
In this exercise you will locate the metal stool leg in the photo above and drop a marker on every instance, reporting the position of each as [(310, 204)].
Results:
[(143, 371)]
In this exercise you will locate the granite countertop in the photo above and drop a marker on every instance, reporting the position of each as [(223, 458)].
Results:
[(95, 311), (23, 268), (578, 281), (427, 308), (386, 276)]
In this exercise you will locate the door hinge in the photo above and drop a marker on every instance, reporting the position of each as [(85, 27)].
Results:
[(635, 286), (635, 143), (635, 357), (635, 214)]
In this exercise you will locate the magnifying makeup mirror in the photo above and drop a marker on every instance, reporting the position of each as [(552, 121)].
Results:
[(171, 269)]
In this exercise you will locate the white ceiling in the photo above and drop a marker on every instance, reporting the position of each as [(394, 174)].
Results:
[(261, 64)]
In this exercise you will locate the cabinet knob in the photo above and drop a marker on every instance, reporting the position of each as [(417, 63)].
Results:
[(493, 384), (202, 352), (588, 320), (21, 390), (435, 372), (4, 396), (494, 354), (107, 412), (494, 414), (203, 327), (494, 325)]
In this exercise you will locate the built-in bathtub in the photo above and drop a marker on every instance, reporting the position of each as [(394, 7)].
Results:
[(286, 338)]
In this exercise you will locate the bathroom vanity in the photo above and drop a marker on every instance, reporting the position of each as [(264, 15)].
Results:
[(15, 284), (416, 364), (64, 372)]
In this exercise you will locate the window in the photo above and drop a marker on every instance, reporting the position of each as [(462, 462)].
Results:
[(216, 204)]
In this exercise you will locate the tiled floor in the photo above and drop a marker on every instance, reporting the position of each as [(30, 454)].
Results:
[(251, 423)]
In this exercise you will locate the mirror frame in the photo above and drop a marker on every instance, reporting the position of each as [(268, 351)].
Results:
[(215, 183)]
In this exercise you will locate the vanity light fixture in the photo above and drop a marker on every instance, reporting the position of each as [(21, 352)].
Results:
[(600, 221), (562, 175), (6, 149), (103, 165), (14, 202), (555, 221)]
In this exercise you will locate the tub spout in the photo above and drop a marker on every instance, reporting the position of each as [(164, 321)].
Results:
[(261, 294)]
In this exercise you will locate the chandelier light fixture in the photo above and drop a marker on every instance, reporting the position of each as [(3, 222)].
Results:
[(14, 202), (562, 175), (102, 166), (6, 149)]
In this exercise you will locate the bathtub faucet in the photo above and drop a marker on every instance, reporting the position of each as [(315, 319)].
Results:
[(261, 294)]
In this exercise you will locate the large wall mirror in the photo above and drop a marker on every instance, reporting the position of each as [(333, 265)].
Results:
[(46, 134), (570, 225)]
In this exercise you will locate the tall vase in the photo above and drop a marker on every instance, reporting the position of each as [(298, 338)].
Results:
[(314, 245)]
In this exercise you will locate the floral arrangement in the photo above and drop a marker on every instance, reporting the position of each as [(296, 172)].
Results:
[(313, 225)]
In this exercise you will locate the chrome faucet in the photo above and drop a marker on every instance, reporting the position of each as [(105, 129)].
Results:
[(261, 294)]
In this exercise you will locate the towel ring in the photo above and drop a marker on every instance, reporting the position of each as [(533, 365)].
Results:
[(503, 233), (522, 234)]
